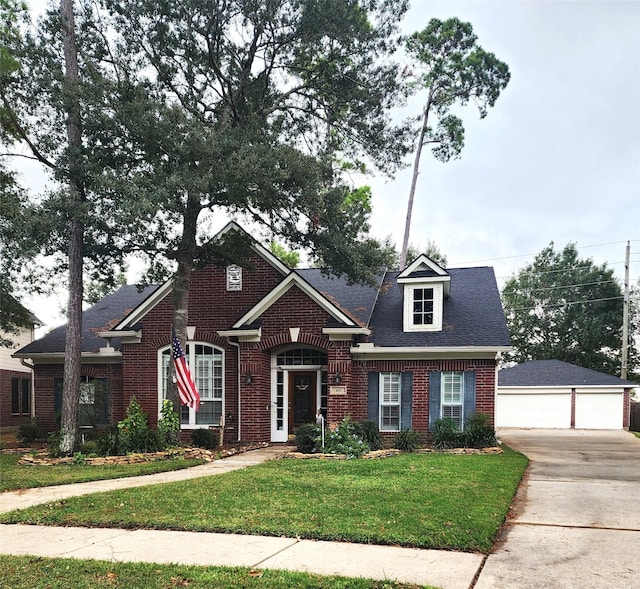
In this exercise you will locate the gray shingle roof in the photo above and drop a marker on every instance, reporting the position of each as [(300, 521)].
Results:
[(356, 299), (552, 373), (101, 317), (472, 315)]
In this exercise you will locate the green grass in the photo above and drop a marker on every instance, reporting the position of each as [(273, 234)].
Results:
[(424, 500), (14, 476), (24, 572)]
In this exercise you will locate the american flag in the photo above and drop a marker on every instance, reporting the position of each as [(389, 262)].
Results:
[(186, 386)]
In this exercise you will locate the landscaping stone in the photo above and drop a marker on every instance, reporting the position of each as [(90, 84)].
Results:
[(43, 459), (392, 452)]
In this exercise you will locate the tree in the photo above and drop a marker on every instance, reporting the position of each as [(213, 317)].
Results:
[(453, 69), (249, 108), (431, 250), (195, 108), (566, 308), (291, 259)]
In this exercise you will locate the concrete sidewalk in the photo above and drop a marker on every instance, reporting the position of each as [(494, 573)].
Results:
[(444, 569)]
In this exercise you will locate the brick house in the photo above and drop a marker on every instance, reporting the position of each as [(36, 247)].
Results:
[(269, 347), (16, 377)]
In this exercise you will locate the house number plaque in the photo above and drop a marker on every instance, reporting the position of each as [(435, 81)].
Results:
[(334, 390)]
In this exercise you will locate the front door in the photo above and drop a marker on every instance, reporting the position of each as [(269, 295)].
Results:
[(302, 399)]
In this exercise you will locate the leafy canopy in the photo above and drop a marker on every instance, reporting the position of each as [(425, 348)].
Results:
[(566, 308)]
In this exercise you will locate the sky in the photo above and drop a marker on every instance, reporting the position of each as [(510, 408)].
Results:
[(557, 158)]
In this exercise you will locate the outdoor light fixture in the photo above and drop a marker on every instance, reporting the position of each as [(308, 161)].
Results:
[(248, 378), (337, 378)]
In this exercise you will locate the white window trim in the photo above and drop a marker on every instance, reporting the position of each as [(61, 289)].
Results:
[(438, 301), (382, 404), (191, 358), (462, 396)]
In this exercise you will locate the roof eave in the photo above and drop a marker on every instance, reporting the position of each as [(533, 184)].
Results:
[(370, 352)]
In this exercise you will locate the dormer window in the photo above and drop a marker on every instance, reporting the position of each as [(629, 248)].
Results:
[(423, 307), (425, 285)]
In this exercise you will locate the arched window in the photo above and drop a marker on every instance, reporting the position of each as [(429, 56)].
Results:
[(206, 363)]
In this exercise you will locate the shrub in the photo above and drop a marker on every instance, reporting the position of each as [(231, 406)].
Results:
[(477, 433), (89, 447), (446, 434), (135, 435), (108, 443), (368, 431), (168, 425), (306, 436), (204, 438), (343, 440), (408, 440), (53, 445), (28, 432)]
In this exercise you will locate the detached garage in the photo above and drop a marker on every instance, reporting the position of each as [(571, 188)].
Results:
[(555, 394)]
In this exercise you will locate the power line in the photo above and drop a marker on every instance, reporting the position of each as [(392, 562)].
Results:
[(567, 304), (569, 286)]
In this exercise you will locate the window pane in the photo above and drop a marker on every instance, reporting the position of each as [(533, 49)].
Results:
[(422, 306), (390, 401), (453, 412), (390, 418)]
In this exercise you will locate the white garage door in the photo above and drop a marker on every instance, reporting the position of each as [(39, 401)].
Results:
[(599, 410), (533, 408)]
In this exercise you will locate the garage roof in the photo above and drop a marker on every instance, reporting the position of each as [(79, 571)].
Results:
[(555, 373)]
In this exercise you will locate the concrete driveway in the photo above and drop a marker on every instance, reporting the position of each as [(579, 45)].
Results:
[(576, 519)]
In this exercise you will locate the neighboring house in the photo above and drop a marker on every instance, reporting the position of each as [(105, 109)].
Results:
[(555, 394), (16, 378), (269, 347)]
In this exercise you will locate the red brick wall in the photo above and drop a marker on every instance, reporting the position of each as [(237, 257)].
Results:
[(485, 385), (7, 420), (211, 308)]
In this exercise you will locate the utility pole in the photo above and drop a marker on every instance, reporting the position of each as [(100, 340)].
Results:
[(625, 314)]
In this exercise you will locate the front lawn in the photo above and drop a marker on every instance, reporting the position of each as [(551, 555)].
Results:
[(424, 500), (15, 476), (27, 572)]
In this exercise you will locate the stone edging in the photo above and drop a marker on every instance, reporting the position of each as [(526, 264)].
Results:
[(392, 452), (42, 459)]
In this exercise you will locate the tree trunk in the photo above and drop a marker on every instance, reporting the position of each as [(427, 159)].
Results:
[(414, 181), (73, 341), (182, 281)]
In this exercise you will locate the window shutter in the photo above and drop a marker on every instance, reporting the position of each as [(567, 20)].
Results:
[(25, 400), (15, 396), (406, 395), (434, 398), (57, 395), (469, 393), (373, 397), (102, 401)]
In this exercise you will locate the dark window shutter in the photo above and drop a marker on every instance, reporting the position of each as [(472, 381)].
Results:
[(434, 398), (102, 401), (15, 396), (57, 396), (373, 397), (469, 393), (406, 396), (26, 397)]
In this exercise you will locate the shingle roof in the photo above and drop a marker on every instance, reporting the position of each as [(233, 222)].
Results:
[(101, 317), (355, 299), (552, 373), (472, 314)]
